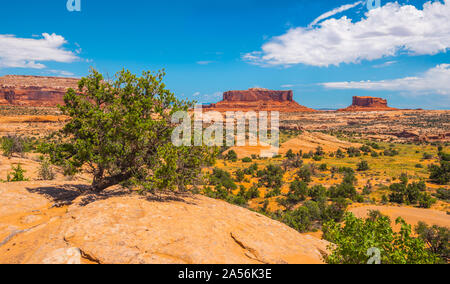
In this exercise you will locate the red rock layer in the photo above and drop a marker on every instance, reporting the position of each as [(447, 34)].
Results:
[(368, 104), (34, 91), (257, 99)]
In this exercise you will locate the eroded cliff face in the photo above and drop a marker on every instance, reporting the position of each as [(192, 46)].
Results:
[(34, 91), (257, 99), (368, 104)]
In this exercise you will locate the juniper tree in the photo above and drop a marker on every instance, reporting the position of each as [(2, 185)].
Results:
[(120, 131)]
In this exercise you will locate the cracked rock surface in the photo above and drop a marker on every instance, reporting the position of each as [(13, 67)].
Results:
[(133, 229)]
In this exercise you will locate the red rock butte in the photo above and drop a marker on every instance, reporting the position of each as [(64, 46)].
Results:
[(257, 99), (34, 91), (368, 104)]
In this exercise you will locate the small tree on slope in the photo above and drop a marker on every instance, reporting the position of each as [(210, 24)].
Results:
[(121, 132)]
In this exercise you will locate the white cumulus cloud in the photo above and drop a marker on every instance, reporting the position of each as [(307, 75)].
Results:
[(386, 31), (433, 81), (30, 52)]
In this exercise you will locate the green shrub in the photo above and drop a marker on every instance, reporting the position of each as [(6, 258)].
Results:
[(17, 174), (13, 144), (247, 160), (298, 191), (45, 170), (363, 166), (222, 178), (436, 238), (356, 237), (231, 156), (443, 194), (440, 174), (271, 176), (305, 174), (290, 154), (240, 175)]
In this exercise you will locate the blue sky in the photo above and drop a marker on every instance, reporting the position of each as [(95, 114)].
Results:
[(398, 51)]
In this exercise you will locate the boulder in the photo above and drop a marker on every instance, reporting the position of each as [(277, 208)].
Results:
[(135, 229)]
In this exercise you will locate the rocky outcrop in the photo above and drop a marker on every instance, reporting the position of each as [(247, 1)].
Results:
[(34, 91), (258, 99), (133, 229), (368, 104)]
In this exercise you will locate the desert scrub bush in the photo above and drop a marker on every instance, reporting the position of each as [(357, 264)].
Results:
[(231, 156), (17, 174), (13, 144), (362, 166), (437, 239), (222, 178), (121, 131), (46, 170), (440, 174), (442, 194), (271, 176), (247, 160), (353, 240)]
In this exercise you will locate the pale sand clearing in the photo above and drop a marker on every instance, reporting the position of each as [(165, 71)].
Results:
[(307, 141), (411, 215)]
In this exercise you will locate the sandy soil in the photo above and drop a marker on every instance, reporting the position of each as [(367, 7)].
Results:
[(411, 215)]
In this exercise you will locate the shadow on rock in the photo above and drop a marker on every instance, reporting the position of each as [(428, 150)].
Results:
[(64, 195)]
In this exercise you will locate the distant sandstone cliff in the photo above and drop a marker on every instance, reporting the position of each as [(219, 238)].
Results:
[(368, 104), (34, 91), (257, 99)]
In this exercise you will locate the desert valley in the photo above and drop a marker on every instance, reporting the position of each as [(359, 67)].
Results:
[(366, 159)]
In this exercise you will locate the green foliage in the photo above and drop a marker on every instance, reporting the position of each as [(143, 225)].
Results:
[(362, 166), (353, 152), (346, 189), (319, 152), (247, 160), (318, 193), (271, 176), (443, 194), (365, 149), (298, 191), (298, 219), (441, 174), (340, 154), (231, 156), (222, 178), (411, 193), (252, 170), (426, 201), (353, 239), (437, 239), (391, 152), (13, 144), (305, 174), (240, 175), (17, 174), (323, 167), (45, 170), (293, 163), (121, 131), (290, 154)]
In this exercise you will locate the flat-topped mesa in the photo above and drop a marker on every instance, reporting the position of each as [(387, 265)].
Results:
[(368, 104), (258, 94), (34, 91), (258, 99)]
